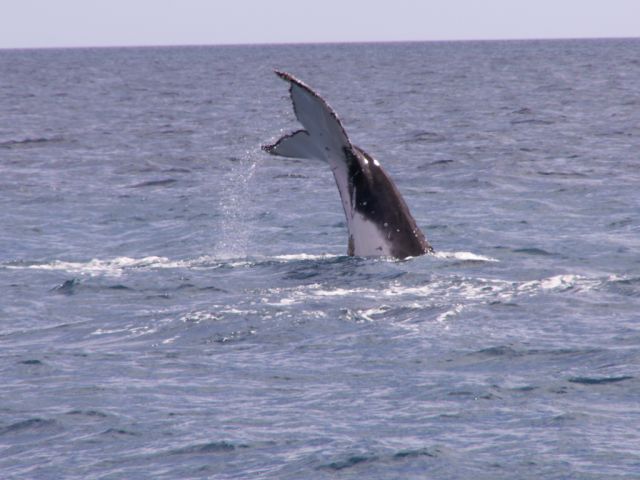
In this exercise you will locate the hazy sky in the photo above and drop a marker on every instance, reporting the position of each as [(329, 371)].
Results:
[(69, 23)]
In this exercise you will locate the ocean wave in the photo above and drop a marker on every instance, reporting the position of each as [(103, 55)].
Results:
[(112, 267), (29, 141), (447, 296), (464, 256), (369, 283), (303, 256), (118, 265)]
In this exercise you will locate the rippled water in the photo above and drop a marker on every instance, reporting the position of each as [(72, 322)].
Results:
[(176, 304)]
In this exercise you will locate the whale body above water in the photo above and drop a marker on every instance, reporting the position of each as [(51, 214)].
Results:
[(378, 218)]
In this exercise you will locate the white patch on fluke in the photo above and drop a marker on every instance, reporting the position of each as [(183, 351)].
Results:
[(368, 239)]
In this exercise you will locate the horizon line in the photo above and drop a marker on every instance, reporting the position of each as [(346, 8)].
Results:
[(323, 42)]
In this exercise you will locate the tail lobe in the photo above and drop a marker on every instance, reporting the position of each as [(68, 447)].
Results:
[(298, 144)]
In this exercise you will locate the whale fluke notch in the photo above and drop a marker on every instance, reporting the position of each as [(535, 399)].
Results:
[(378, 218)]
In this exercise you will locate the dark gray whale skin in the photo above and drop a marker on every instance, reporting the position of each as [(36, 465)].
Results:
[(379, 201)]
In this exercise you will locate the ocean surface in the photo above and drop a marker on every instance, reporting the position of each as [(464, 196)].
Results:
[(176, 304)]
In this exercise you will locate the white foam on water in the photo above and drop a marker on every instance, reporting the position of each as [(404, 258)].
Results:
[(199, 316), (454, 295), (370, 314), (562, 283), (443, 317), (341, 292), (112, 267), (118, 266), (303, 256), (466, 256)]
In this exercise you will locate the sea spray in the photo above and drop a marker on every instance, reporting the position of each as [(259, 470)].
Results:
[(236, 206)]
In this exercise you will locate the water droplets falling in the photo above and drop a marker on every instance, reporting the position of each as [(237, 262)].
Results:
[(236, 205)]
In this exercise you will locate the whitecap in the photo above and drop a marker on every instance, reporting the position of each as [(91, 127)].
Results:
[(443, 317), (464, 256), (113, 267), (303, 256)]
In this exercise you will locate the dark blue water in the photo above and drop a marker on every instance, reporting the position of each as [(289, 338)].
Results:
[(176, 304)]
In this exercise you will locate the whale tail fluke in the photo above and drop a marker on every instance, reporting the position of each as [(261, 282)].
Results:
[(378, 219), (323, 137)]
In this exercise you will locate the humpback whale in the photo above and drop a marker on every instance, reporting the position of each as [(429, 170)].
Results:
[(378, 219)]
